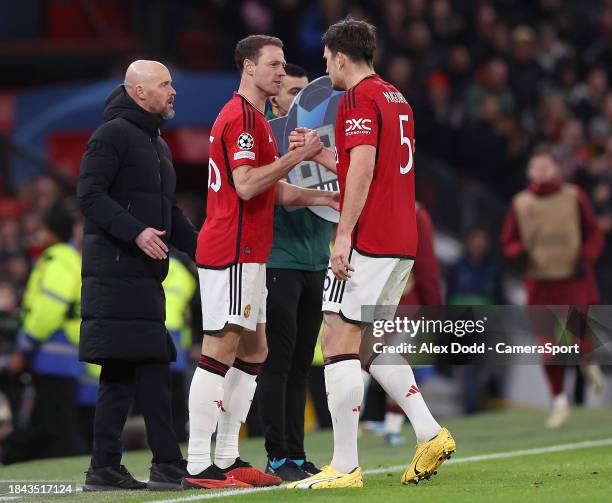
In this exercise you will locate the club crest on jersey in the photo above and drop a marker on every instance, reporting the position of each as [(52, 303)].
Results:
[(357, 126), (245, 141), (247, 310)]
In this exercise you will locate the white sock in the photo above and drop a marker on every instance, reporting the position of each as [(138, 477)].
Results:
[(239, 390), (205, 401), (394, 422), (344, 386), (560, 401), (396, 377)]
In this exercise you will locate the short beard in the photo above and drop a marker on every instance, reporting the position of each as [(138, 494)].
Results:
[(169, 115)]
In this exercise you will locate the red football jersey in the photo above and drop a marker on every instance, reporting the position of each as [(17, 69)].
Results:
[(237, 231), (373, 112)]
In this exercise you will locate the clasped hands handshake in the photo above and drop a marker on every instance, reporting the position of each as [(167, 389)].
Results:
[(307, 142)]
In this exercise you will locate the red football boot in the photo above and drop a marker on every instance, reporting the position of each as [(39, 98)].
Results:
[(213, 478), (243, 471)]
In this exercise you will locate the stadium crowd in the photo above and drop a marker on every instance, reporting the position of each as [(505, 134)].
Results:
[(488, 81)]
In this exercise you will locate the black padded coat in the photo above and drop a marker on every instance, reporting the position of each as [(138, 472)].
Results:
[(127, 183)]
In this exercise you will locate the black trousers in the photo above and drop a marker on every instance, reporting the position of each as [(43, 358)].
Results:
[(86, 416), (120, 382), (293, 322)]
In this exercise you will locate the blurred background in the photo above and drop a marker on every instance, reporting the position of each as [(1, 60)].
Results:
[(488, 82)]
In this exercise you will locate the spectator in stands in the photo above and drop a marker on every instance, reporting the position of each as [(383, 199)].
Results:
[(553, 113), (445, 24), (525, 72), (10, 238), (572, 150), (9, 315), (551, 50), (399, 71), (437, 118), (458, 70), (492, 80), (588, 97), (476, 278)]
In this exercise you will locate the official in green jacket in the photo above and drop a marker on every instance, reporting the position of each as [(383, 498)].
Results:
[(296, 272), (47, 344)]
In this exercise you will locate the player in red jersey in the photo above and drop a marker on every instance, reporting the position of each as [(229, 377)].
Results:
[(244, 184), (373, 253)]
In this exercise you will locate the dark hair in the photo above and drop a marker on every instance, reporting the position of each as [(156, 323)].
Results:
[(295, 70), (249, 47), (356, 39), (59, 221)]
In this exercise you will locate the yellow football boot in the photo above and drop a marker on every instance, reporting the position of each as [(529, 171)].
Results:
[(429, 456), (330, 478)]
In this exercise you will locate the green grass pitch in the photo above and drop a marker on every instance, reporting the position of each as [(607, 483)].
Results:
[(574, 474)]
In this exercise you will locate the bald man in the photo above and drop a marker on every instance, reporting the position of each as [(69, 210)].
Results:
[(126, 192)]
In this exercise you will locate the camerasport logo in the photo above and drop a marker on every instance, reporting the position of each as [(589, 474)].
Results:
[(245, 141), (357, 126)]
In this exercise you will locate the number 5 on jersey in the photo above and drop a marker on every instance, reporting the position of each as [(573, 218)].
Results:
[(406, 141)]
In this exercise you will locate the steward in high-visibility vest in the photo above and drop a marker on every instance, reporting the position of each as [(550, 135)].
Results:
[(47, 344), (51, 313)]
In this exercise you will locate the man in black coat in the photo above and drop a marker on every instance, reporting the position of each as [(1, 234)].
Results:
[(126, 192)]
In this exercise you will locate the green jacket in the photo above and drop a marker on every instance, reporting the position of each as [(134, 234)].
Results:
[(301, 238)]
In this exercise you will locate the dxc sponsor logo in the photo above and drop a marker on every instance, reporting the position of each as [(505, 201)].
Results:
[(357, 125)]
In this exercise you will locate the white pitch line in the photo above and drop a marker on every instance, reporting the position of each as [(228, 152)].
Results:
[(398, 468)]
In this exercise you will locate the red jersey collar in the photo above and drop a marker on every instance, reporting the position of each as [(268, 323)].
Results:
[(371, 76), (236, 93)]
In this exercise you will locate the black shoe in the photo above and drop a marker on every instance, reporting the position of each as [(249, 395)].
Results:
[(110, 478), (212, 478), (167, 476), (310, 468), (288, 471)]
